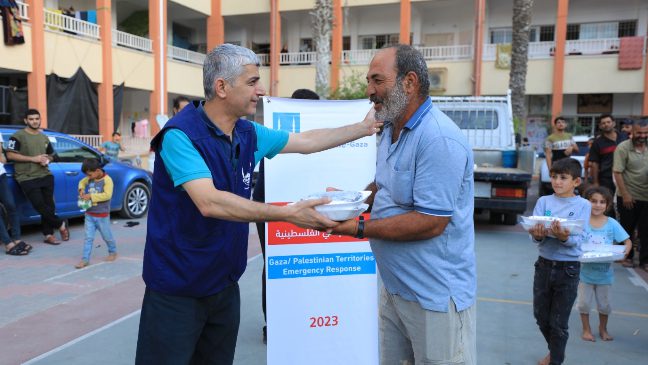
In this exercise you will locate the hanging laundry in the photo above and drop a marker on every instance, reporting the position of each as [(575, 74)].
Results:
[(11, 23)]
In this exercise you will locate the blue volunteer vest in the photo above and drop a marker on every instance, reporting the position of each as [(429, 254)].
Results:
[(187, 254)]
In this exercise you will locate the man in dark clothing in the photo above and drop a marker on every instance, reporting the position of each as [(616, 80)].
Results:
[(32, 152), (601, 155)]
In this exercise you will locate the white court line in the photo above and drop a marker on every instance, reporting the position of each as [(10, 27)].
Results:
[(636, 279), (78, 339), (89, 334), (72, 272)]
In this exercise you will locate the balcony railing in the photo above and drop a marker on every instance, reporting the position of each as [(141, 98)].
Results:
[(541, 49), (297, 58), (447, 52), (24, 10), (91, 139), (358, 56), (592, 46), (131, 41), (186, 55), (59, 22)]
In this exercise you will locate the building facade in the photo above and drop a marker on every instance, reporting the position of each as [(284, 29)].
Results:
[(586, 57)]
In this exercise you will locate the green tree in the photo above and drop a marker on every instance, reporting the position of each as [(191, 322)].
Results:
[(351, 88), (520, 56)]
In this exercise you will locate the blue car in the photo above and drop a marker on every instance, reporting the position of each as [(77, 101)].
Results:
[(132, 190)]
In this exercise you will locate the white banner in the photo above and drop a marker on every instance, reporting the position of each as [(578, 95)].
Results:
[(322, 305)]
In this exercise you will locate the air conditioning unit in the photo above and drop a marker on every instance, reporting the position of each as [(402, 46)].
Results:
[(438, 78)]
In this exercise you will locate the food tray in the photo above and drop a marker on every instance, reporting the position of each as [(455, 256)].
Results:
[(575, 226), (341, 213), (342, 197), (601, 253)]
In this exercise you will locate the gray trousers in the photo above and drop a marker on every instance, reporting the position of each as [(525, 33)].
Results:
[(411, 335)]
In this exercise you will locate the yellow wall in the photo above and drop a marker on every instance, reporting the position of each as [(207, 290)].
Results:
[(600, 74), (64, 54), (539, 75), (288, 5), (185, 79), (202, 6), (17, 57), (458, 81), (133, 68), (264, 73), (236, 7), (295, 77)]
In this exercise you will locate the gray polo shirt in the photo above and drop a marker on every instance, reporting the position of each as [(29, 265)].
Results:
[(428, 170), (633, 165)]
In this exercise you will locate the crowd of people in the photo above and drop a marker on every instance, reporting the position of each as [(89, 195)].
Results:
[(618, 166)]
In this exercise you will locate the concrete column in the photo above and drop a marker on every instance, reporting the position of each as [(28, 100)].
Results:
[(336, 46), (559, 59), (158, 34), (105, 91), (405, 21), (480, 14), (36, 85), (215, 26), (275, 46)]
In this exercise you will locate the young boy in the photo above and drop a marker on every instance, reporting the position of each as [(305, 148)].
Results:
[(557, 269), (559, 144), (97, 187), (112, 148)]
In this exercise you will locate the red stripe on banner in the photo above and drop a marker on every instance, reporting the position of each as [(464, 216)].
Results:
[(284, 233)]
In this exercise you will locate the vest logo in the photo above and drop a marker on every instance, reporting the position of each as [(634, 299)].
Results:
[(247, 179), (288, 122), (571, 214), (547, 213)]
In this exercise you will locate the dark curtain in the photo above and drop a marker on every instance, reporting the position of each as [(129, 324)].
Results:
[(118, 100), (17, 105), (72, 104)]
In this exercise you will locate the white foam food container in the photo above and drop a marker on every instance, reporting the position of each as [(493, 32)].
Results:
[(574, 225), (337, 213), (342, 198), (601, 253)]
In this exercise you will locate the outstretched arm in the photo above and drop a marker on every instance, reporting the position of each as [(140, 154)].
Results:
[(322, 139)]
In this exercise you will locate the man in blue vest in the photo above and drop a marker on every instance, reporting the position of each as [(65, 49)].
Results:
[(196, 242)]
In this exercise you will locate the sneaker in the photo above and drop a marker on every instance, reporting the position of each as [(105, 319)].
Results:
[(111, 257), (82, 264)]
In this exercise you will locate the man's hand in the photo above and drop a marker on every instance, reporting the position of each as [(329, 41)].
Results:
[(371, 125), (85, 196), (569, 150), (347, 228), (539, 232), (558, 231), (628, 200), (43, 160), (303, 214)]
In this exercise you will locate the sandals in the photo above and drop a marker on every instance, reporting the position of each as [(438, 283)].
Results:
[(50, 240), (65, 231), (19, 249)]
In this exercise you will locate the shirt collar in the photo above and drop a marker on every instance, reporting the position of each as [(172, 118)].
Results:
[(419, 113), (207, 121)]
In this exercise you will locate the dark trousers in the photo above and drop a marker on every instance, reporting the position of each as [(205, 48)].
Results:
[(636, 218), (261, 231), (40, 193), (176, 330), (555, 285), (6, 198)]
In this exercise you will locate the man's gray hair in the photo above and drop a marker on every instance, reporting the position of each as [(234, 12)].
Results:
[(409, 59), (225, 62)]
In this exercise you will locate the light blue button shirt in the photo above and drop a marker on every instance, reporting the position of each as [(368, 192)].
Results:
[(429, 169)]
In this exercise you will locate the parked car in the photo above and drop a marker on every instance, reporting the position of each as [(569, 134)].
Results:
[(545, 179), (132, 190)]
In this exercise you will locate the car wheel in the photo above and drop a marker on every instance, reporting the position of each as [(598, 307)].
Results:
[(136, 201), (510, 219)]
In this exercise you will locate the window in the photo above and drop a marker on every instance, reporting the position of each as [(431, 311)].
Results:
[(377, 41), (473, 119), (306, 45), (68, 150), (346, 43), (547, 33), (599, 30), (573, 32), (627, 29), (501, 36)]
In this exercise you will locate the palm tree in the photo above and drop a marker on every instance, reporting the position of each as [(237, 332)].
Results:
[(520, 56), (322, 15)]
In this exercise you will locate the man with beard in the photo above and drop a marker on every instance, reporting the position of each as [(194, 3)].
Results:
[(421, 228), (631, 174), (198, 222), (601, 154), (32, 152)]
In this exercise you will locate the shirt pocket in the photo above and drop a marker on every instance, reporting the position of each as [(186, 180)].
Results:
[(402, 187)]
